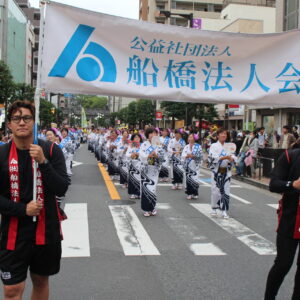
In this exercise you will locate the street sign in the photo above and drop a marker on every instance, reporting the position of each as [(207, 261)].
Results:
[(158, 115)]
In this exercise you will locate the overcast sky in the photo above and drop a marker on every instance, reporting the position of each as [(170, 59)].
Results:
[(123, 8)]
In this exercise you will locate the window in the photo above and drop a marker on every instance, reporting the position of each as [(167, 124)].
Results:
[(36, 16), (291, 13)]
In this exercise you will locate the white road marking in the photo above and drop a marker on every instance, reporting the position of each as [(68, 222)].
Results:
[(206, 249), (163, 206), (240, 199), (190, 234), (231, 195), (273, 205), (253, 240), (133, 237), (204, 183), (76, 231), (76, 163)]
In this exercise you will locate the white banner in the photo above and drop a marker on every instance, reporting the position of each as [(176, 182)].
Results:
[(92, 53)]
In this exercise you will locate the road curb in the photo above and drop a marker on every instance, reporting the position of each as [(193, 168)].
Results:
[(246, 180), (252, 182)]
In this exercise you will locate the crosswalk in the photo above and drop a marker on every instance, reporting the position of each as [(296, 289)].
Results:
[(76, 231), (135, 240)]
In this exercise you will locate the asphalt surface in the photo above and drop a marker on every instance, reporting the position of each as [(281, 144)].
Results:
[(230, 269)]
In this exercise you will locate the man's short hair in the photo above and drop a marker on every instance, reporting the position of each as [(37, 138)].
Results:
[(17, 105), (286, 127), (296, 127), (261, 128)]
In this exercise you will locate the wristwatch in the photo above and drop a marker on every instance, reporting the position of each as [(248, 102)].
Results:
[(289, 184)]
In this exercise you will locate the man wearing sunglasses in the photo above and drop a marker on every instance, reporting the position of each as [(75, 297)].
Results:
[(26, 244)]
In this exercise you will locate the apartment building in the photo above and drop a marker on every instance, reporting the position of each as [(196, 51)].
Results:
[(287, 18), (33, 15), (243, 16)]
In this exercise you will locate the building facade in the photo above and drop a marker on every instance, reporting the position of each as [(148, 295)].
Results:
[(287, 18), (243, 16), (33, 15), (13, 34)]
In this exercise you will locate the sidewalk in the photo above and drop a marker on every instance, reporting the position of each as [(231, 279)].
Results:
[(262, 183)]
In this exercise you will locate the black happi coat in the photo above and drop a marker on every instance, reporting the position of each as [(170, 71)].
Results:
[(55, 181)]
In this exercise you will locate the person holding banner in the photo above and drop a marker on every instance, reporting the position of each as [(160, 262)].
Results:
[(134, 176), (175, 148), (164, 171), (25, 244), (191, 156), (221, 160), (151, 158)]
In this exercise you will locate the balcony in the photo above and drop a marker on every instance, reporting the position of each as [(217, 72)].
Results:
[(267, 3)]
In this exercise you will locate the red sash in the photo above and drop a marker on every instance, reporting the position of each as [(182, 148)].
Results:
[(13, 171), (297, 225)]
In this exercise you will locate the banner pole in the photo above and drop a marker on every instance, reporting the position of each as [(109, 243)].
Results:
[(37, 99)]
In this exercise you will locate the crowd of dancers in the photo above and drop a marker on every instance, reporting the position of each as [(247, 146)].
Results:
[(139, 160)]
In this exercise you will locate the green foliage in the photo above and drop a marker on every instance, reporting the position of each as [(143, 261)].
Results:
[(6, 83), (145, 111), (128, 114), (112, 118), (183, 111), (48, 113), (132, 113), (92, 102), (23, 91), (123, 115)]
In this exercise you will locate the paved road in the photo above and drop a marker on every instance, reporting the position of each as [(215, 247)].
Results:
[(112, 252)]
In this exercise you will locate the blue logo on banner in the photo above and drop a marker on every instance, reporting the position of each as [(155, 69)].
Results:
[(88, 68)]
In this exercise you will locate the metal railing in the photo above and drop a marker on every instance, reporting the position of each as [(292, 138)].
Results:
[(260, 164)]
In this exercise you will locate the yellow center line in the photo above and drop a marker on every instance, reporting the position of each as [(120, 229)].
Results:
[(114, 195)]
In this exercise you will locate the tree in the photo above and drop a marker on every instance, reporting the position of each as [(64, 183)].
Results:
[(132, 113), (174, 110), (144, 112), (123, 115), (92, 102), (6, 83), (113, 116), (47, 113), (23, 91)]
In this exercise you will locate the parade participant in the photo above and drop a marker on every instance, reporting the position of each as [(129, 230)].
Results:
[(1, 139), (112, 161), (26, 244), (164, 171), (123, 163), (175, 148), (92, 139), (220, 163), (67, 148), (149, 156), (191, 156), (134, 177), (101, 142), (285, 178), (51, 135)]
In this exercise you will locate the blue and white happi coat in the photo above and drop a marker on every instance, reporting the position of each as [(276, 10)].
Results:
[(220, 182), (192, 168)]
